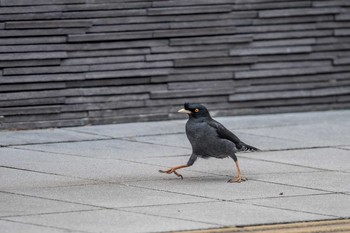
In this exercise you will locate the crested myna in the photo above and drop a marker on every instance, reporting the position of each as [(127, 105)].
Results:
[(209, 138)]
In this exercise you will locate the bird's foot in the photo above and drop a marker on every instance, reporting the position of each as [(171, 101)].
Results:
[(172, 170), (238, 179)]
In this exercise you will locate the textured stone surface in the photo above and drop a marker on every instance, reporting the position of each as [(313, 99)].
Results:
[(106, 179)]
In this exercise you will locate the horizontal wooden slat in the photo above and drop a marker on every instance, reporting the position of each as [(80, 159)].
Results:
[(30, 56), (290, 94), (299, 12), (37, 2), (212, 40), (49, 24), (189, 10), (215, 61), (271, 50)]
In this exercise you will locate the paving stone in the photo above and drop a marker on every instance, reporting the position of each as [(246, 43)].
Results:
[(17, 205), (320, 158), (14, 179), (217, 188), (261, 142), (105, 170), (134, 129), (110, 149), (321, 133), (251, 168), (327, 181), (111, 195), (327, 204), (12, 226), (175, 140), (230, 213), (9, 138), (112, 221)]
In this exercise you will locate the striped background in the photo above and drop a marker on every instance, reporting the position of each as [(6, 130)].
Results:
[(78, 62)]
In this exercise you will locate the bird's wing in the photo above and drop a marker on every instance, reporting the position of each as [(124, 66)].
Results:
[(227, 134)]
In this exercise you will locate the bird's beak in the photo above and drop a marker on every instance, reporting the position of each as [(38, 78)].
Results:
[(184, 111)]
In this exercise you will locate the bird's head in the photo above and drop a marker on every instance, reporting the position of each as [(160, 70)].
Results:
[(195, 110)]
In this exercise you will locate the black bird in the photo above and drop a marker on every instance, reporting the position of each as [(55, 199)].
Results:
[(209, 138)]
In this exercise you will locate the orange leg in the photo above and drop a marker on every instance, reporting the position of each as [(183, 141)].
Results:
[(239, 177), (173, 170)]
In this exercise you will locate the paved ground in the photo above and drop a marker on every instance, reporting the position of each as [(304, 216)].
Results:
[(105, 178)]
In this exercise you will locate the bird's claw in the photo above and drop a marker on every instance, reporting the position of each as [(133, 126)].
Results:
[(238, 179), (172, 171)]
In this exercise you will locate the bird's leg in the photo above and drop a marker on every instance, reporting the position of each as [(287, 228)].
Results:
[(173, 170), (239, 177)]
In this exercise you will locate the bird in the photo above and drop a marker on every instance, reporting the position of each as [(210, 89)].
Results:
[(210, 138)]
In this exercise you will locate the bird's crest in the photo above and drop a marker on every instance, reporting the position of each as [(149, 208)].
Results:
[(186, 106)]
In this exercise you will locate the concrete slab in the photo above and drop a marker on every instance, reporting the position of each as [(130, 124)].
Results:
[(107, 170), (327, 204), (267, 142), (321, 134), (326, 181), (134, 129), (51, 178), (283, 119), (17, 205), (7, 226), (9, 138), (14, 179), (112, 221), (229, 213), (226, 167), (174, 140), (110, 149), (112, 195), (321, 158), (261, 142), (217, 188)]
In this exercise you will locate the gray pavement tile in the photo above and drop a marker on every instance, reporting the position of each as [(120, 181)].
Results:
[(284, 119), (218, 188), (113, 149), (11, 227), (327, 204), (175, 140), (330, 133), (113, 221), (344, 147), (327, 181), (265, 142), (9, 138), (109, 170), (17, 205), (14, 179), (262, 142), (111, 195), (226, 166), (321, 158), (135, 129), (229, 213)]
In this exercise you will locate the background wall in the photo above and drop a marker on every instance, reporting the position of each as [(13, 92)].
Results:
[(77, 62)]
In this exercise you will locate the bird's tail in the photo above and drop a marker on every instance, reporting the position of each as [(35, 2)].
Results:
[(246, 147)]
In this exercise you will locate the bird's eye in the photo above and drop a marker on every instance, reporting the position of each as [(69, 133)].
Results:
[(196, 110)]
